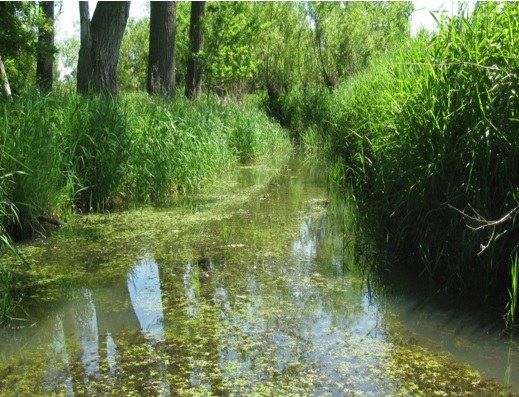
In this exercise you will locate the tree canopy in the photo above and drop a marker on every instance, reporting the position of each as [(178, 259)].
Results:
[(20, 24), (249, 46)]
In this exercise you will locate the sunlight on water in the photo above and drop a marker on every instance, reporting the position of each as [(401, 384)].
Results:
[(263, 297), (145, 295)]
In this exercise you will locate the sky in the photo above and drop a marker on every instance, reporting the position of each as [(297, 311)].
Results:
[(67, 23), (422, 15)]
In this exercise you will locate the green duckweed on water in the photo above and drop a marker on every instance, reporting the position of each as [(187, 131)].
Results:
[(248, 289)]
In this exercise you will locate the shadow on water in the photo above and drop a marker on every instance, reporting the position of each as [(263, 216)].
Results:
[(263, 295)]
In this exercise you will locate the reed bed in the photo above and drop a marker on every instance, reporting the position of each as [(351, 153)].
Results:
[(63, 153), (429, 138)]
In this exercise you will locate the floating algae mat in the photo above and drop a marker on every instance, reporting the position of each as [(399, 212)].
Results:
[(250, 288)]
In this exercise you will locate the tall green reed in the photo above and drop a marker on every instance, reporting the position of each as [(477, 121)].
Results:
[(62, 153), (98, 145), (429, 138), (177, 145), (513, 291), (66, 152), (31, 142)]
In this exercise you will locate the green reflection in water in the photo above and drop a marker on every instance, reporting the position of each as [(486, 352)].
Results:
[(251, 289)]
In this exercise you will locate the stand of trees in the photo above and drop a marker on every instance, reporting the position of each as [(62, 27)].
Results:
[(26, 45), (238, 47)]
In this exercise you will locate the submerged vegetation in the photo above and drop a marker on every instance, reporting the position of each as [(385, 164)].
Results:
[(428, 138), (262, 282), (249, 288)]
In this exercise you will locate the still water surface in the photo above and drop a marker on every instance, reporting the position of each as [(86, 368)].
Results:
[(253, 289)]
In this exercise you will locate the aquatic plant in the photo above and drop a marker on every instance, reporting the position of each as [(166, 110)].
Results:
[(66, 152), (8, 301), (278, 314), (513, 291), (32, 158), (62, 153), (428, 137)]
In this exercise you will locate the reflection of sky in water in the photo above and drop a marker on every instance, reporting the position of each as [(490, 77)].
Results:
[(325, 327), (110, 353), (145, 295), (89, 336), (305, 316), (306, 245), (61, 352), (146, 298)]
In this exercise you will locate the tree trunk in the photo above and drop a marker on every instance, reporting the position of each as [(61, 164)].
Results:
[(84, 65), (107, 30), (161, 60), (45, 62), (3, 78), (194, 63)]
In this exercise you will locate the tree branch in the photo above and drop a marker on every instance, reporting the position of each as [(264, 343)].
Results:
[(482, 223)]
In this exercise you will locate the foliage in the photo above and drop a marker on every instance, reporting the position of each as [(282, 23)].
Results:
[(229, 55), (285, 59), (68, 55), (322, 44), (64, 150), (249, 46), (303, 109), (133, 59), (347, 35), (428, 136), (19, 23), (182, 41)]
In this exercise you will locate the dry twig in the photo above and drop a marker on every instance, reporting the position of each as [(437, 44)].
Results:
[(482, 223)]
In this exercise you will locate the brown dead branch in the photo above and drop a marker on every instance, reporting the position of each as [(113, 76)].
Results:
[(480, 223)]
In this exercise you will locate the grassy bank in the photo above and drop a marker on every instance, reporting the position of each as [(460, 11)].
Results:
[(63, 153), (429, 138)]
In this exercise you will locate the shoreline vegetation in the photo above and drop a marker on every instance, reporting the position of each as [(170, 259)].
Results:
[(64, 154), (424, 130), (427, 139)]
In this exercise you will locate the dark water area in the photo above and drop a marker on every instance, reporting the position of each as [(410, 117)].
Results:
[(251, 288)]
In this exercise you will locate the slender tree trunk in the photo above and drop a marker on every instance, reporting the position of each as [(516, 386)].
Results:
[(194, 63), (45, 62), (107, 30), (161, 60), (3, 78), (84, 66)]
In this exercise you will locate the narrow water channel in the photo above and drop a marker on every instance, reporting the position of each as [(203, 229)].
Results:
[(251, 289)]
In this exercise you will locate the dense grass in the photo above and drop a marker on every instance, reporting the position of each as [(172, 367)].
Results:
[(429, 137), (62, 153)]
